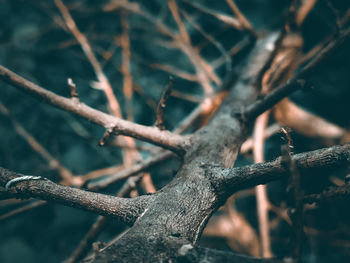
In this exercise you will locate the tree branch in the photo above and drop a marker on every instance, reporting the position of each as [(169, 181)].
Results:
[(127, 210), (166, 139), (229, 181)]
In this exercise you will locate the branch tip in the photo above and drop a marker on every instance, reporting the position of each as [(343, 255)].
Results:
[(162, 104), (73, 90), (105, 137)]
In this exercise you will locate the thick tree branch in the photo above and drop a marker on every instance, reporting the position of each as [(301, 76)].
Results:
[(228, 181), (166, 139), (126, 210)]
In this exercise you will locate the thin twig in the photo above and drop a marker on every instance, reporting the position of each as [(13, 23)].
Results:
[(126, 54), (162, 104), (22, 209), (228, 20), (135, 169), (241, 18), (65, 174), (261, 190)]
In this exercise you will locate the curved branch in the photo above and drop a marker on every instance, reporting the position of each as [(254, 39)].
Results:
[(124, 209), (166, 139)]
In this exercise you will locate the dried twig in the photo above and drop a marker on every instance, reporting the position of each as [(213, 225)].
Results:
[(261, 191), (66, 175), (135, 169), (22, 209), (162, 104), (103, 82), (243, 21)]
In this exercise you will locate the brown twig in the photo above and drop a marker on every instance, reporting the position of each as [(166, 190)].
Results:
[(174, 71), (21, 210), (162, 104), (211, 39), (103, 82), (205, 72), (126, 54), (304, 10), (65, 174), (135, 169), (243, 21), (261, 191), (228, 20)]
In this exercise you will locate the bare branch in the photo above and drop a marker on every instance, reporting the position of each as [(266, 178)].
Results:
[(153, 135), (103, 82), (22, 209), (228, 20), (65, 174), (244, 22), (261, 190), (228, 181), (127, 210)]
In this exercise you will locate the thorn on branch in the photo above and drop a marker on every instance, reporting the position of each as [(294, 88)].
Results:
[(105, 137), (73, 90), (162, 104)]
